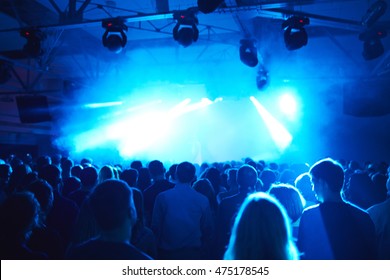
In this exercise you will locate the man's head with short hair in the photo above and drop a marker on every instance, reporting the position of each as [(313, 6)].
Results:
[(112, 204), (156, 169), (246, 177), (185, 172), (330, 171), (18, 216), (130, 176), (52, 174), (89, 176)]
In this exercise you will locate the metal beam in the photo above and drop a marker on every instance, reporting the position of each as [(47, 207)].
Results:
[(260, 9)]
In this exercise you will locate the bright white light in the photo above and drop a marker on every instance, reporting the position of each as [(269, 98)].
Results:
[(288, 104), (278, 132), (102, 105), (140, 132), (180, 110)]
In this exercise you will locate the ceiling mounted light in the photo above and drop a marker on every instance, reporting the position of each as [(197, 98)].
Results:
[(375, 11), (33, 46), (373, 47), (248, 52), (114, 38), (185, 31), (262, 78), (295, 36)]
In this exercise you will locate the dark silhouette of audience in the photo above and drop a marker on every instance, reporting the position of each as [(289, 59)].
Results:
[(267, 177), (112, 205), (261, 231), (64, 212), (182, 219), (303, 184), (294, 203), (181, 214), (44, 238), (5, 174), (142, 237), (334, 229), (144, 179), (89, 179), (19, 214), (70, 185), (231, 184), (130, 176), (380, 214), (360, 190), (159, 184), (246, 180)]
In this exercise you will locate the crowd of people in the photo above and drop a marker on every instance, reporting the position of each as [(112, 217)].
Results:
[(54, 208)]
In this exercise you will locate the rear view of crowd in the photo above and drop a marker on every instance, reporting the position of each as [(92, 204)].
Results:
[(54, 208)]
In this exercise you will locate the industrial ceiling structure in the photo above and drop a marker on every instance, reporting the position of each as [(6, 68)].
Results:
[(69, 52)]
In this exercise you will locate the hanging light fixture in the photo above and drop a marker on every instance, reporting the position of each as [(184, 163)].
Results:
[(295, 36), (114, 38)]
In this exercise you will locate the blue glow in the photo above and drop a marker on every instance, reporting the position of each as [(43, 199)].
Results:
[(279, 133)]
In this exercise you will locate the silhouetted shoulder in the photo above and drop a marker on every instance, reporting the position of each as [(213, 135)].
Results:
[(104, 250)]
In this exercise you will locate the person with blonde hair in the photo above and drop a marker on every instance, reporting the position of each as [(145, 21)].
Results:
[(261, 231)]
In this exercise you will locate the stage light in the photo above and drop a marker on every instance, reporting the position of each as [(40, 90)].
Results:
[(372, 47), (375, 11), (279, 134), (248, 52), (185, 31), (33, 46), (295, 36), (208, 6), (288, 105), (262, 78), (114, 38)]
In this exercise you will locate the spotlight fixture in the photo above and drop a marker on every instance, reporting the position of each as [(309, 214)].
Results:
[(375, 11), (372, 47), (295, 36), (262, 78), (114, 38), (248, 52), (33, 46), (188, 34), (208, 6)]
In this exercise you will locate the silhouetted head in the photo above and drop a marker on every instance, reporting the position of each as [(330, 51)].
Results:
[(261, 231), (156, 169), (76, 170), (18, 216), (185, 172), (43, 192), (70, 185), (130, 176), (290, 198), (86, 162), (52, 174), (268, 177), (330, 171), (136, 164), (246, 177), (106, 172), (112, 204), (89, 176)]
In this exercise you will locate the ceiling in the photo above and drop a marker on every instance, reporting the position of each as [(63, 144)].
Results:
[(75, 58)]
